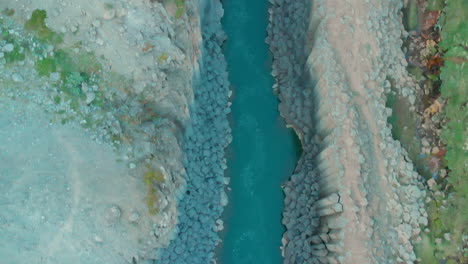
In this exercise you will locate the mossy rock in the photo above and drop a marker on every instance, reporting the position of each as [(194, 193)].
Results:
[(154, 175), (15, 55), (151, 201), (151, 177), (46, 66), (411, 18), (38, 25), (72, 84)]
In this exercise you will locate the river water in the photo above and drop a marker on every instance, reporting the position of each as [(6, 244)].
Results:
[(263, 152)]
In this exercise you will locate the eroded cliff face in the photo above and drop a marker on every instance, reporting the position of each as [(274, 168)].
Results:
[(354, 197), (206, 137)]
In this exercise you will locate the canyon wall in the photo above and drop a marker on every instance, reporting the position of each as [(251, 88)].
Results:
[(206, 137), (354, 196)]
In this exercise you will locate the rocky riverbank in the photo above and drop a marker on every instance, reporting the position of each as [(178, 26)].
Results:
[(206, 138), (354, 197)]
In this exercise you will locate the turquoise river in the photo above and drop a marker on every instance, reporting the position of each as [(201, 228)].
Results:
[(263, 152)]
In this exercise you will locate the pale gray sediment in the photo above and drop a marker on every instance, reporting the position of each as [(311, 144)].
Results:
[(136, 162), (354, 196), (73, 186), (206, 137)]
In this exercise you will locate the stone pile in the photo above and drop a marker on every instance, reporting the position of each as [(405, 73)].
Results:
[(205, 141), (354, 197)]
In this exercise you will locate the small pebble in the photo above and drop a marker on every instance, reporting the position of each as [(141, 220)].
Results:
[(447, 236), (16, 77), (134, 216), (431, 183), (113, 214), (55, 76), (99, 41), (96, 23), (8, 47), (90, 97), (443, 173), (109, 14), (98, 239)]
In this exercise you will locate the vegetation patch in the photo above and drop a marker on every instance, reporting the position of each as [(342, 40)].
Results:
[(37, 24), (152, 177), (46, 66), (17, 54), (180, 4), (442, 68), (163, 57), (74, 87)]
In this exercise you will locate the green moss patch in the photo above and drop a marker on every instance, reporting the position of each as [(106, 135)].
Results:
[(152, 177), (37, 24), (411, 17), (455, 25), (16, 55), (46, 66), (447, 211)]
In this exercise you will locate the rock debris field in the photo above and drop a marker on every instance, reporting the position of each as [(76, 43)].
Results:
[(114, 128)]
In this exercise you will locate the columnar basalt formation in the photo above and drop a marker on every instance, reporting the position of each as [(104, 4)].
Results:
[(206, 137), (354, 197)]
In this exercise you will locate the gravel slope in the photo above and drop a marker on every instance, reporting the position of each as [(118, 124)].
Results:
[(74, 166)]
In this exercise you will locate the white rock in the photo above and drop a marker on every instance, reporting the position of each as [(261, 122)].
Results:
[(16, 77), (54, 76), (109, 14), (90, 97), (447, 236), (443, 173), (8, 47), (96, 23), (431, 183), (423, 221), (98, 239), (134, 216), (224, 199)]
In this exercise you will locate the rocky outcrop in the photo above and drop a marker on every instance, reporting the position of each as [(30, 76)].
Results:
[(354, 197)]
